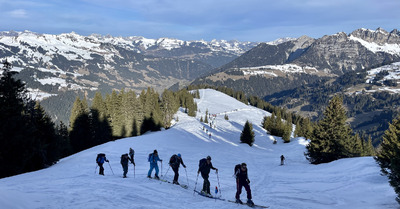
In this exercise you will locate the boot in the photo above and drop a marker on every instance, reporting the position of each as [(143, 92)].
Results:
[(175, 182), (149, 177), (238, 201), (250, 202), (156, 177)]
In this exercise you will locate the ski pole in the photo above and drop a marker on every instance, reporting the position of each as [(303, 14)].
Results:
[(196, 183), (219, 186), (95, 170), (110, 168), (187, 179), (165, 172), (134, 171), (161, 168)]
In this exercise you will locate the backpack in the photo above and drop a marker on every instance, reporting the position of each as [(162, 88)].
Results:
[(100, 158), (124, 158), (237, 169), (150, 156), (202, 162), (173, 159)]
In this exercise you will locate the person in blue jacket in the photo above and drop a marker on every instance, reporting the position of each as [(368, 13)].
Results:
[(153, 159)]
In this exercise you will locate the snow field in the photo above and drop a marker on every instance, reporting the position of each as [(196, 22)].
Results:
[(72, 183)]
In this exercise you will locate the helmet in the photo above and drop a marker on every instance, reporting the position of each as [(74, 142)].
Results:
[(179, 155), (208, 158)]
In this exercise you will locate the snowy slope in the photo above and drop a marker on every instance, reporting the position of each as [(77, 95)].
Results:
[(72, 183)]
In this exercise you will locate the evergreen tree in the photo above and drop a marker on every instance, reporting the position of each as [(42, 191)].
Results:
[(226, 117), (201, 119), (389, 155), (135, 131), (65, 145), (368, 148), (28, 139), (247, 135), (169, 107), (47, 144), (330, 136), (206, 118), (15, 131), (287, 130), (149, 124), (99, 122), (80, 134)]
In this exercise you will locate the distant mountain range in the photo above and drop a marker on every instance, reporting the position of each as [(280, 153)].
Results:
[(58, 67), (304, 60), (302, 74)]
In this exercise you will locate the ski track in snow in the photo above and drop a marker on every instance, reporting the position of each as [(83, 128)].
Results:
[(73, 183)]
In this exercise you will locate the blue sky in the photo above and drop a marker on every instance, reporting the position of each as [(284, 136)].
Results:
[(244, 20)]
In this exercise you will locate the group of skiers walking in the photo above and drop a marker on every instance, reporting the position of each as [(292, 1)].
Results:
[(205, 167)]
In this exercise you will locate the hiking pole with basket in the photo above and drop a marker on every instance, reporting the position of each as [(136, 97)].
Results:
[(110, 168), (196, 183), (219, 186), (161, 167), (187, 179)]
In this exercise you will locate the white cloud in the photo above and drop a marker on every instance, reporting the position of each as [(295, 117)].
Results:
[(18, 13)]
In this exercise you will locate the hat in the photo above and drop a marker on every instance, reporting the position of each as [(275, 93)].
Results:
[(179, 154), (155, 151), (208, 158)]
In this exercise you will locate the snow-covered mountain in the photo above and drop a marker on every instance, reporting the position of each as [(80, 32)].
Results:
[(91, 62), (73, 183)]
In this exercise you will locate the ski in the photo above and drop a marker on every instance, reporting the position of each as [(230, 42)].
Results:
[(252, 206), (209, 196), (166, 181)]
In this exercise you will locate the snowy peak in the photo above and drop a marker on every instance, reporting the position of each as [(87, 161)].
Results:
[(378, 36)]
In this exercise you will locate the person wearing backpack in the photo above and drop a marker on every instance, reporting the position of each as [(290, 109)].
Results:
[(204, 168), (153, 159), (242, 180), (124, 162), (282, 159), (175, 161), (131, 155), (100, 159)]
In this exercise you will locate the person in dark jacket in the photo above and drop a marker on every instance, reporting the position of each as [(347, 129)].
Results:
[(175, 161), (204, 167), (282, 159), (100, 159), (242, 180), (124, 162)]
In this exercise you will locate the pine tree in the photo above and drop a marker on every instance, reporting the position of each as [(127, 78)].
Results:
[(226, 117), (287, 130), (331, 135), (15, 131), (389, 155), (368, 148), (65, 145), (100, 125), (247, 135), (169, 107), (48, 142), (80, 134), (206, 118)]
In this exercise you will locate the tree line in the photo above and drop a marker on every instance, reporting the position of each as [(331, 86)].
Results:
[(125, 114)]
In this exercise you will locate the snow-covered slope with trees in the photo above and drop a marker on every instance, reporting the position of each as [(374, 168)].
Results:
[(72, 183)]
